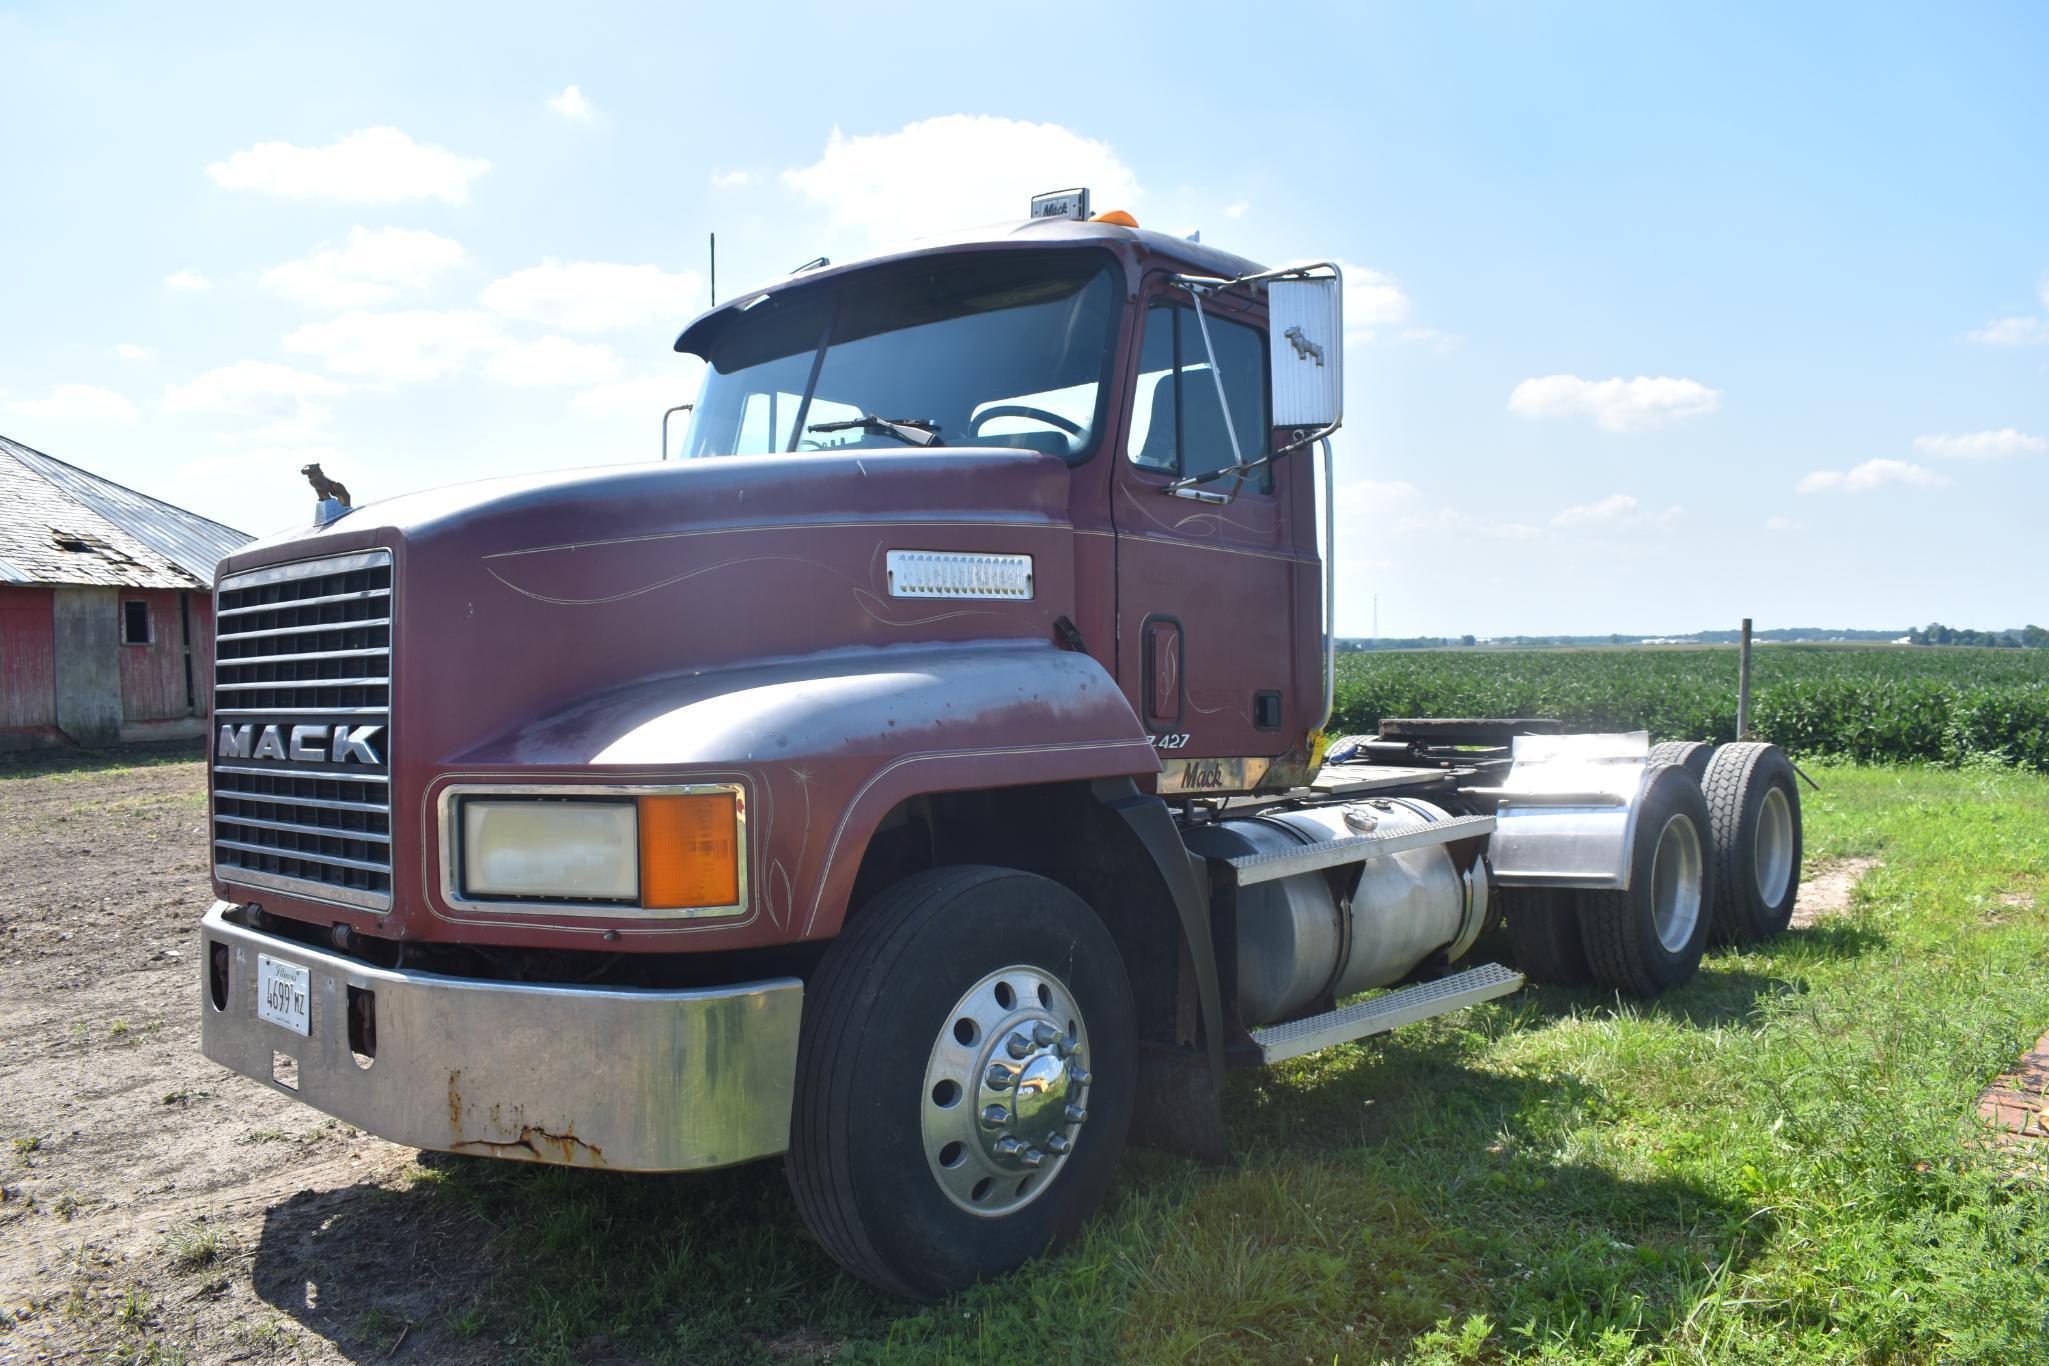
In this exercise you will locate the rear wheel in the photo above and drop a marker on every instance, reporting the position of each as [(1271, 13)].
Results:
[(965, 1079), (1754, 809), (1649, 939), (1691, 755), (1543, 933)]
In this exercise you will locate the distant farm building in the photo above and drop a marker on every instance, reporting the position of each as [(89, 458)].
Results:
[(106, 607)]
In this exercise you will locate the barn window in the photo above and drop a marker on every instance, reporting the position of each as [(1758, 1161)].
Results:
[(135, 623)]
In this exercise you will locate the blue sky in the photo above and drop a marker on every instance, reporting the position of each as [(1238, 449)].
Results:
[(1661, 318)]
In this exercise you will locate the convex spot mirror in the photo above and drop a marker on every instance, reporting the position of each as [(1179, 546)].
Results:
[(1307, 346)]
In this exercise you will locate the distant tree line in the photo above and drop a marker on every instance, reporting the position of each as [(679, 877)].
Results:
[(1935, 633), (2026, 638)]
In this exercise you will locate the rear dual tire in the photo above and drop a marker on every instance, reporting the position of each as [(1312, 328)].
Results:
[(1650, 938), (1754, 809)]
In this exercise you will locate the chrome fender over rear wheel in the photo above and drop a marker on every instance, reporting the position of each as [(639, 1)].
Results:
[(965, 1079)]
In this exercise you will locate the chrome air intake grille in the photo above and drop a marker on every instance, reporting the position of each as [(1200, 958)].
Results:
[(302, 729)]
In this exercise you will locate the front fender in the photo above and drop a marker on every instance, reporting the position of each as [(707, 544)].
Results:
[(826, 745)]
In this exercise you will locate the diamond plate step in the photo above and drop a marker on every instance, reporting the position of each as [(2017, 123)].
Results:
[(1277, 1043)]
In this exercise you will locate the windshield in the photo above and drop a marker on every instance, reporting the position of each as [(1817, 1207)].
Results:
[(1006, 351)]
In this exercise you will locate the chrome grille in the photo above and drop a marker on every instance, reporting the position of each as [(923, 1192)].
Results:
[(299, 650)]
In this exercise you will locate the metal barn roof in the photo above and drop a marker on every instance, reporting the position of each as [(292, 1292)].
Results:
[(60, 524)]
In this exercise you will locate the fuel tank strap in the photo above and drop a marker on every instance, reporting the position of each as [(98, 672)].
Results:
[(1249, 870)]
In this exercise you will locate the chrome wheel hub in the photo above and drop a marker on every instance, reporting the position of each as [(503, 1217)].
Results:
[(1005, 1090), (1676, 883), (1772, 851)]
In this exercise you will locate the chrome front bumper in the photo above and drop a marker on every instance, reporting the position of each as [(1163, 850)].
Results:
[(629, 1079)]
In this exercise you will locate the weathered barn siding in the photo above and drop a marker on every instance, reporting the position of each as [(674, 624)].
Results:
[(153, 675), (87, 625), (75, 551), (28, 684), (202, 651)]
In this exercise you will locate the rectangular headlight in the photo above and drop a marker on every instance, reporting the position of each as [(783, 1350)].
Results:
[(576, 851)]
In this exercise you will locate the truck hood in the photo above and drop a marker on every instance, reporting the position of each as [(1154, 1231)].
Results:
[(614, 503), (517, 598)]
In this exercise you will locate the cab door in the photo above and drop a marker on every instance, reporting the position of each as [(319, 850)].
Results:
[(1207, 578)]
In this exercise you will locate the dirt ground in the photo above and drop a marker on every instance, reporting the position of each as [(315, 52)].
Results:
[(152, 1205)]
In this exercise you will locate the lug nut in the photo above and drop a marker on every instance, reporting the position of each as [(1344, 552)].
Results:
[(1031, 1157), (1080, 1076), (999, 1078), (1046, 1036), (1057, 1143), (1018, 1045), (1076, 1114), (1010, 1145), (994, 1116), (1066, 1048)]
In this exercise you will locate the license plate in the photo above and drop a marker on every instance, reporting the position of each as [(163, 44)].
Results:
[(284, 994)]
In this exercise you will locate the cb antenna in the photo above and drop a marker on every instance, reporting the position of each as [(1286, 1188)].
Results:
[(714, 270)]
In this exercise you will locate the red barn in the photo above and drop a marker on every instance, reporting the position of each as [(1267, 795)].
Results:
[(106, 607)]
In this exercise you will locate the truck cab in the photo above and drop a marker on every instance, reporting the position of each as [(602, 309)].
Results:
[(921, 780)]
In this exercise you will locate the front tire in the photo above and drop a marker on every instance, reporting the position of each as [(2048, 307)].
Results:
[(964, 1079), (1650, 938)]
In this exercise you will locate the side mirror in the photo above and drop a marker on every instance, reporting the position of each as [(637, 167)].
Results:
[(1307, 345)]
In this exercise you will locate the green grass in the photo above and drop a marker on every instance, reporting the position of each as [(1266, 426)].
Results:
[(1874, 704), (1778, 1163)]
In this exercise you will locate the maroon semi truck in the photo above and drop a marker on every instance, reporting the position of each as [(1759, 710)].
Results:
[(925, 780)]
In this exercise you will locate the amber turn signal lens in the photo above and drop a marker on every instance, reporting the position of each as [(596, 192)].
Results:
[(689, 851)]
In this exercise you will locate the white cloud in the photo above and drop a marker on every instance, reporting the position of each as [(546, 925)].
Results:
[(1613, 508), (254, 388), (76, 403), (952, 171), (571, 104), (1617, 509), (1453, 522), (2020, 330), (1981, 445), (402, 347), (1870, 475), (732, 180), (1432, 339), (134, 351), (412, 346), (2013, 332), (187, 279), (1236, 209), (369, 166), (1615, 405), (641, 399), (1372, 299), (552, 360), (280, 462), (1784, 524), (597, 296), (371, 269)]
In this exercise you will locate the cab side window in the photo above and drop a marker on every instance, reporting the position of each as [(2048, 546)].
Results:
[(1177, 424)]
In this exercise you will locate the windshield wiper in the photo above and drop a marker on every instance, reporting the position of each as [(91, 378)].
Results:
[(915, 431)]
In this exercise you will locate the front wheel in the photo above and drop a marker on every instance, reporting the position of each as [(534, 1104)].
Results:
[(964, 1079)]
